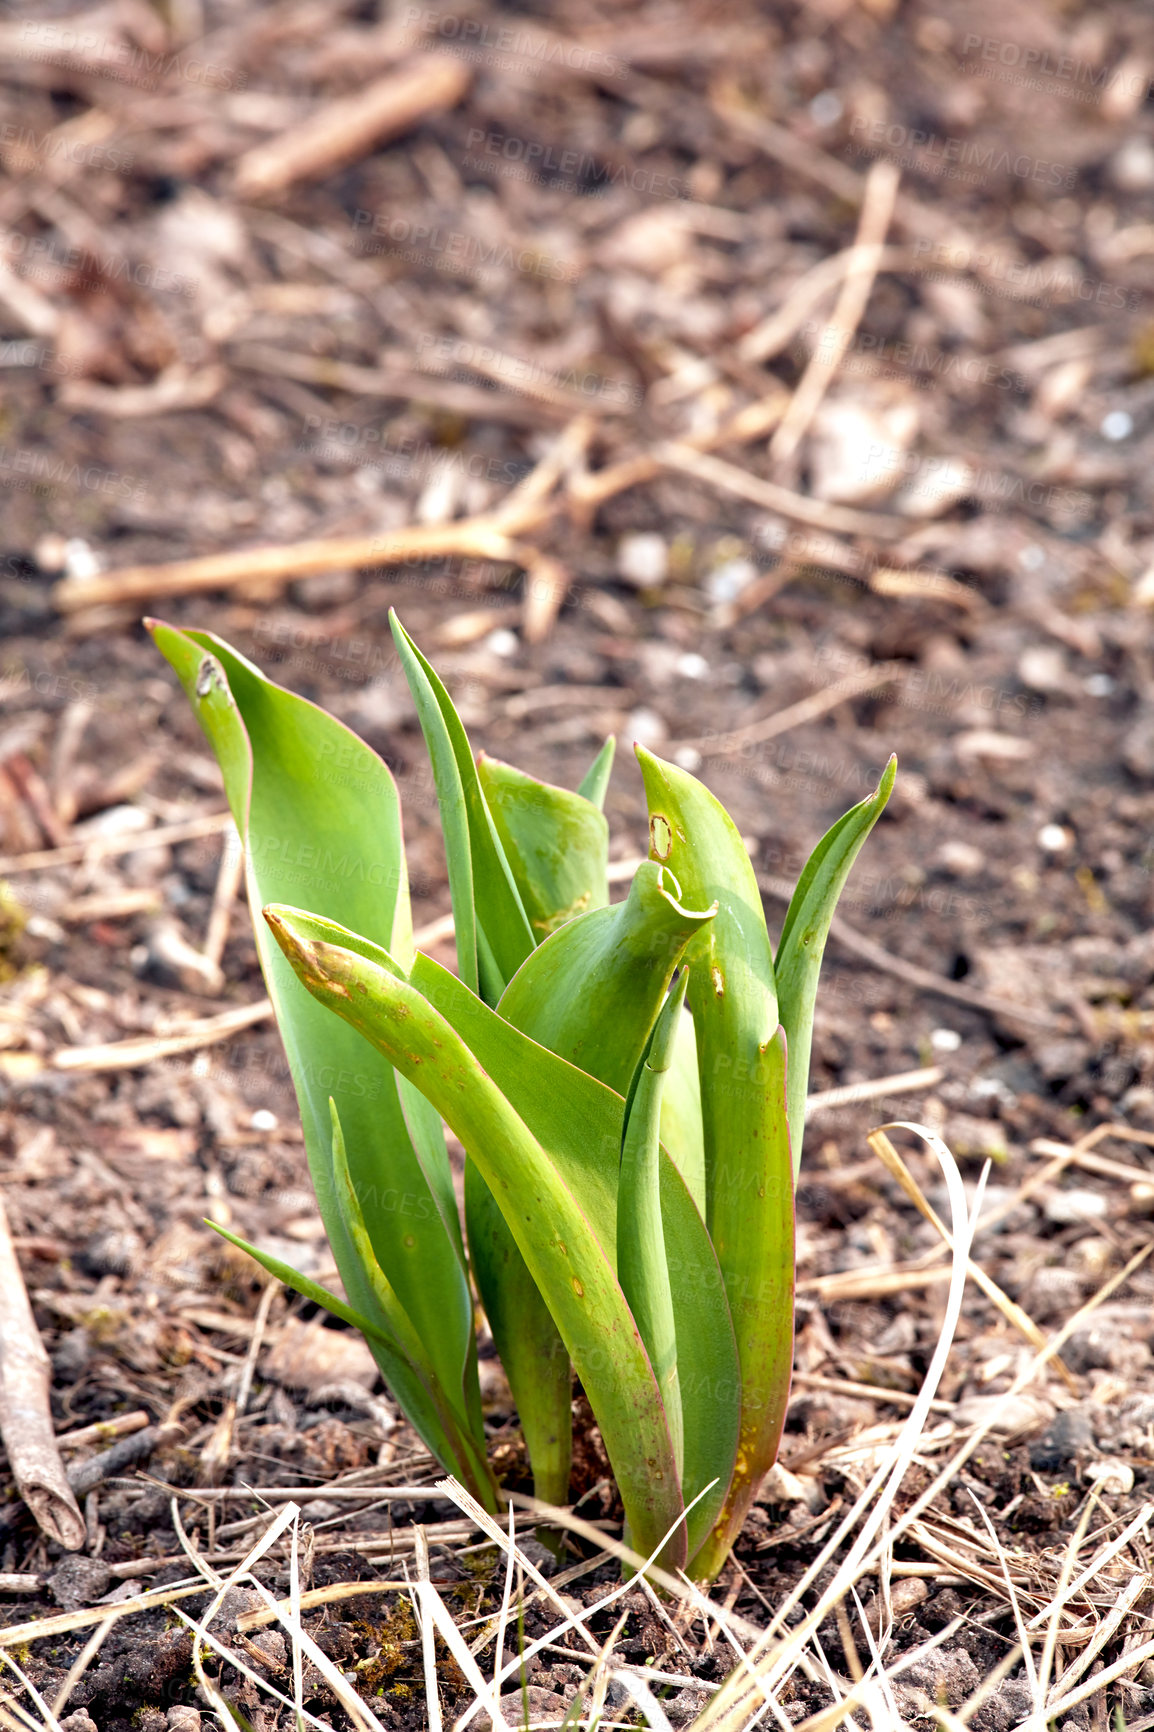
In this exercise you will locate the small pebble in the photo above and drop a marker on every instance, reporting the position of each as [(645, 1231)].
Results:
[(1054, 839), (726, 582), (1067, 1208), (961, 859), (1042, 667), (1013, 1415), (643, 560), (319, 1510), (1099, 685), (1069, 1431), (827, 108), (1117, 425), (692, 666), (80, 560), (114, 821), (687, 758), (503, 643), (1114, 1478), (646, 728), (263, 1120), (1132, 167), (945, 1039)]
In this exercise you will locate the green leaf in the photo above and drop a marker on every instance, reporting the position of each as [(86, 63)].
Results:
[(595, 782), (398, 1373), (803, 937), (556, 843), (318, 814), (449, 1404), (552, 1230), (580, 1122), (741, 1067), (527, 1340), (592, 992), (681, 1128), (642, 1268), (481, 883)]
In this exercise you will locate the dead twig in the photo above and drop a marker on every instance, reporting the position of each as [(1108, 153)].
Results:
[(137, 1447), (104, 1431), (923, 978), (904, 1082), (25, 1409), (228, 882), (105, 847), (491, 535), (730, 479), (132, 1054), (806, 710), (347, 129), (881, 189)]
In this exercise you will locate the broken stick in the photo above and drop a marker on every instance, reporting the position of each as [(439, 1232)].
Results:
[(25, 1411)]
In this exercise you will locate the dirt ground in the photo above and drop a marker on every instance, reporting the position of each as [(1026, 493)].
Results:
[(599, 223)]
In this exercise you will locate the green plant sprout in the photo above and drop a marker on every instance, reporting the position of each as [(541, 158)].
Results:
[(628, 1082)]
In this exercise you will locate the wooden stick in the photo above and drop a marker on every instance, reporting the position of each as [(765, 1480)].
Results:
[(865, 1391), (730, 479), (228, 882), (104, 847), (904, 1082), (25, 1409), (806, 710), (104, 1431), (478, 538), (881, 189), (872, 1283), (347, 129), (132, 1054)]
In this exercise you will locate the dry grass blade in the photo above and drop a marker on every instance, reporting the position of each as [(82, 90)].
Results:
[(1012, 1312), (50, 1722), (575, 1620), (867, 1391), (772, 335), (82, 1662), (63, 1623), (330, 1596), (425, 1626), (450, 1488), (1106, 1631), (1036, 1682), (775, 1654), (477, 537), (435, 1615), (872, 1283), (1068, 1590)]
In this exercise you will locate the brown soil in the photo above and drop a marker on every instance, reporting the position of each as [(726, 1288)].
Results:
[(1009, 883)]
